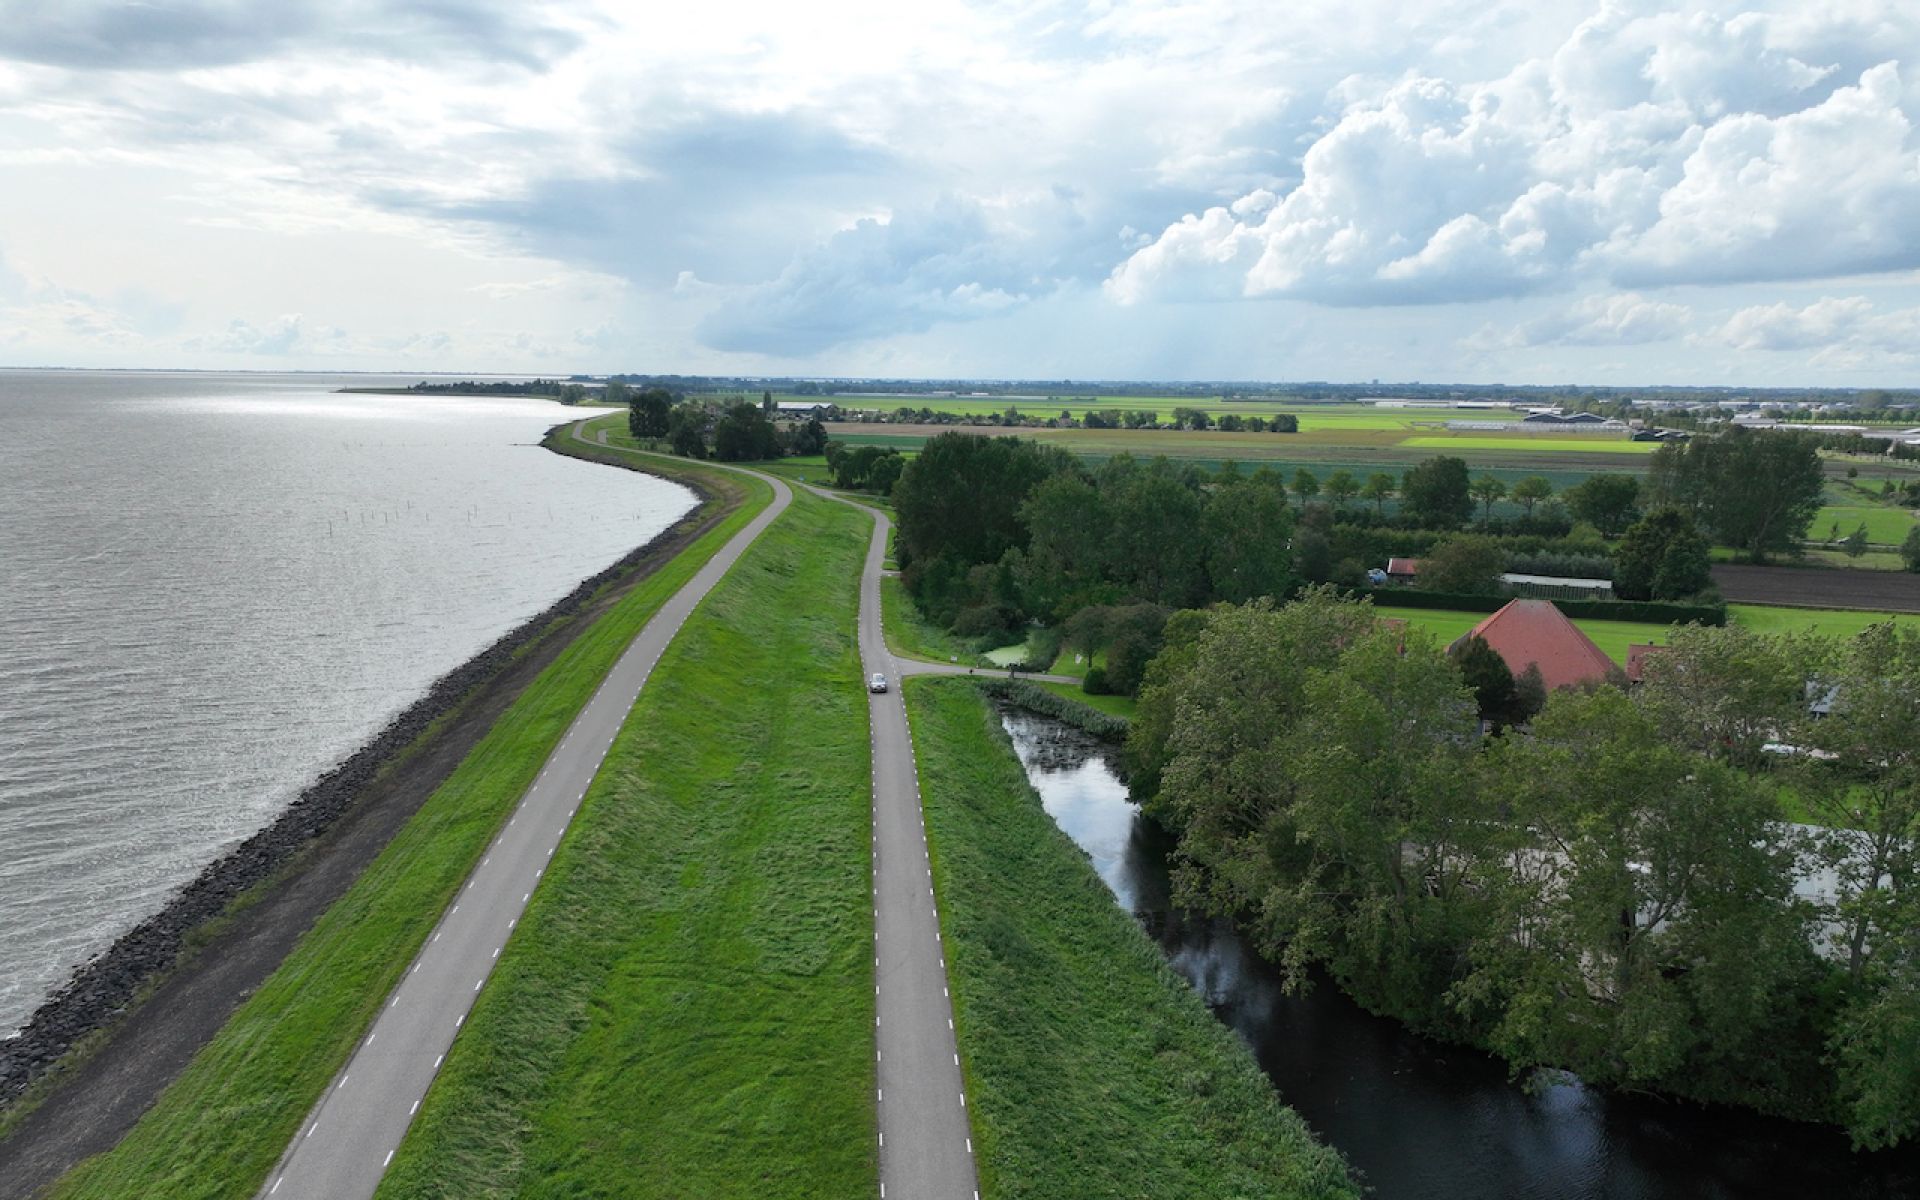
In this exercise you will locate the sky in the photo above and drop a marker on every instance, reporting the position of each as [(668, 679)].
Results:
[(1434, 190)]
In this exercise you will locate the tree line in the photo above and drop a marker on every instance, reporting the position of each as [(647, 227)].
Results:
[(733, 429), (1611, 891)]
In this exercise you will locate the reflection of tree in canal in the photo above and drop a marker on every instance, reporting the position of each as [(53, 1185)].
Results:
[(1419, 1118)]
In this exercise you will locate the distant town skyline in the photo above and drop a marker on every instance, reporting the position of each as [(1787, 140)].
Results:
[(1607, 194)]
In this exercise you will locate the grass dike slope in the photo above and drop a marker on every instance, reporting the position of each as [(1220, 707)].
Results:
[(687, 1007), (1092, 1069), (219, 1128)]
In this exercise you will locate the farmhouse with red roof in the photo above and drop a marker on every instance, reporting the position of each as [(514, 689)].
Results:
[(1535, 632)]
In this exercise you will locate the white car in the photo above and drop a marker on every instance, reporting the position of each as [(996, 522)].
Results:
[(878, 683)]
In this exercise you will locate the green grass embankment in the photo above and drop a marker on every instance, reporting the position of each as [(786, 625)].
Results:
[(686, 1010), (1092, 1069), (219, 1128)]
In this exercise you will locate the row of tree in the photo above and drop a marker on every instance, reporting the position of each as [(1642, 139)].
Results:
[(1611, 891), (735, 430)]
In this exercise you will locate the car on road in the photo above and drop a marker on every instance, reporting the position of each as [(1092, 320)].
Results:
[(878, 683)]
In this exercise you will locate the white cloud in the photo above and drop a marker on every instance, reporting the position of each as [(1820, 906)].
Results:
[(1844, 330), (1656, 149), (1619, 319), (497, 185)]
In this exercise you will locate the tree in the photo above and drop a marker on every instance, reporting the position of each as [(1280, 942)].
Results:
[(1466, 563), (1152, 552), (1662, 557), (1486, 490), (885, 472), (1435, 492), (767, 406), (687, 430), (1605, 502), (1065, 569), (1756, 492), (1531, 490), (958, 505), (1341, 487), (1910, 549), (1866, 781), (1305, 485), (1245, 533), (809, 438), (649, 414), (1380, 489), (743, 434), (1856, 542), (1646, 932), (1314, 761), (1486, 674)]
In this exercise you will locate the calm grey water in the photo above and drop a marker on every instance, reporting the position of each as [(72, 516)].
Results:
[(1421, 1120), (214, 587)]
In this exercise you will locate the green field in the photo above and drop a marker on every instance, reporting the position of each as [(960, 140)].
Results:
[(1613, 637), (1113, 706), (221, 1126), (1529, 443), (1092, 1070), (1886, 525), (687, 1006)]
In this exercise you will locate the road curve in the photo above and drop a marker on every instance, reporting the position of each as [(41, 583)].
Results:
[(346, 1142)]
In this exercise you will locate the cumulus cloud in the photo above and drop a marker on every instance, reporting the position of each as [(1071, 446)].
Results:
[(1648, 150), (1845, 328), (1619, 319)]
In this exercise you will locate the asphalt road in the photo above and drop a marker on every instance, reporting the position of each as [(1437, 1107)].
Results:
[(345, 1144), (926, 1142), (926, 1146)]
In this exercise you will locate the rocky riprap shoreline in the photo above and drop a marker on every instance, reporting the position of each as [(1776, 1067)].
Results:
[(104, 988)]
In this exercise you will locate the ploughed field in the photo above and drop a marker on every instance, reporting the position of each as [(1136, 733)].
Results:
[(1869, 591)]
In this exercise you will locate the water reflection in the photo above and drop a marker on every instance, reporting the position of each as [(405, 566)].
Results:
[(1418, 1118)]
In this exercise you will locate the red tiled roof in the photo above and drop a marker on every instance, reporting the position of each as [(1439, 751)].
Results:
[(1403, 566), (1534, 631), (1637, 656)]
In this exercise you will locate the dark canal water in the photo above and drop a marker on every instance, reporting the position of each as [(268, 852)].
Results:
[(1421, 1120)]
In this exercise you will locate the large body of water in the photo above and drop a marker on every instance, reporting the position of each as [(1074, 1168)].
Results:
[(214, 587), (1418, 1119)]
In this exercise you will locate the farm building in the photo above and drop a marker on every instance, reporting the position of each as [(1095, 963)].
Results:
[(1535, 633)]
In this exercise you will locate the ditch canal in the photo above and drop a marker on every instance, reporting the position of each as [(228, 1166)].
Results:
[(1417, 1118)]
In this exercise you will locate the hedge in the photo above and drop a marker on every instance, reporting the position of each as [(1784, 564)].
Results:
[(1029, 695), (1650, 612)]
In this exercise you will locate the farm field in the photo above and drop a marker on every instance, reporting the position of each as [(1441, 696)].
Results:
[(1533, 443), (1613, 637), (1886, 526), (1362, 451)]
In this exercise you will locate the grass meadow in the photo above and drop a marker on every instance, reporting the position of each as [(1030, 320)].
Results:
[(1886, 525)]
